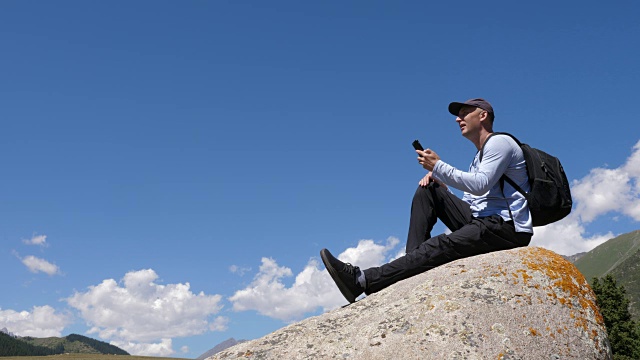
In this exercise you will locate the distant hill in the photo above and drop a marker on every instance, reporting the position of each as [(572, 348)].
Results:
[(6, 331), (619, 257), (13, 346), (222, 346), (25, 346), (573, 258)]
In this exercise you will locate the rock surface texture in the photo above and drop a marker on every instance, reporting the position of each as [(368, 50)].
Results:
[(527, 303)]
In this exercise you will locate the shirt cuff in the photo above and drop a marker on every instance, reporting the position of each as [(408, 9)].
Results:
[(436, 167)]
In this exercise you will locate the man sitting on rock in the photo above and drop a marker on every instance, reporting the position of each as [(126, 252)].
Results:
[(486, 219)]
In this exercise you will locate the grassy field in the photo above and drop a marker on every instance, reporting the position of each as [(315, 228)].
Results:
[(604, 258), (86, 357)]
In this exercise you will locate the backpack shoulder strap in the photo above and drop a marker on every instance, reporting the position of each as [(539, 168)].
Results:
[(509, 135), (504, 178), (497, 133), (483, 145), (514, 185)]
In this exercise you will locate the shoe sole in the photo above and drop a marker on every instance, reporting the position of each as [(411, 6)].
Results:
[(336, 278)]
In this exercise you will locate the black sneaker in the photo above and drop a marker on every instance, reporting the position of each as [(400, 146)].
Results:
[(344, 275)]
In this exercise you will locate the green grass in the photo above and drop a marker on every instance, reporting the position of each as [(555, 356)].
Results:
[(69, 346), (619, 257), (604, 258), (628, 274), (86, 357)]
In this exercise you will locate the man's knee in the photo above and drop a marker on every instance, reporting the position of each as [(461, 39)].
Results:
[(421, 192), (428, 190), (431, 191)]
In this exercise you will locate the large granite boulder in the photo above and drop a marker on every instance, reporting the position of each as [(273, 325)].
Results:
[(526, 303)]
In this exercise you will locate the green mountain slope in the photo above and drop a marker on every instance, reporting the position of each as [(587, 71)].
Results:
[(99, 346), (609, 255), (21, 346), (60, 343), (12, 346), (619, 257), (628, 274)]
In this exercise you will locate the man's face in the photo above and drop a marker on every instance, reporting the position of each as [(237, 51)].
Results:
[(469, 120)]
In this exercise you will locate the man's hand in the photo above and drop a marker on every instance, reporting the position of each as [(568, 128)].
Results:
[(428, 178), (427, 158)]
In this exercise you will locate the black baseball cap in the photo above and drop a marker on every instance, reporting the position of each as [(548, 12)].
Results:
[(454, 107)]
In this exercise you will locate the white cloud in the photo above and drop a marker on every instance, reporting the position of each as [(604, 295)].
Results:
[(368, 254), (144, 316), (184, 349), (313, 288), (605, 190), (601, 192), (633, 162), (219, 324), (41, 321), (567, 236), (235, 269), (162, 348), (36, 265), (40, 240)]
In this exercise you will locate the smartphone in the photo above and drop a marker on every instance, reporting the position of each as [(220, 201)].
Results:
[(417, 146)]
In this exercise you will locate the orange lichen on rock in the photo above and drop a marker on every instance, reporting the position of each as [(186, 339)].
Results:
[(501, 272), (581, 322), (566, 277), (564, 301), (525, 276)]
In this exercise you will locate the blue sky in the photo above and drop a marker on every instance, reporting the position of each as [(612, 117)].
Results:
[(171, 170)]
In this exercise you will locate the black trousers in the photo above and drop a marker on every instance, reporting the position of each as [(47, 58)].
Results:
[(470, 236)]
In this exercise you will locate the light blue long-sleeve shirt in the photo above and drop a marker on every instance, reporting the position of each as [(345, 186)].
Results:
[(481, 185)]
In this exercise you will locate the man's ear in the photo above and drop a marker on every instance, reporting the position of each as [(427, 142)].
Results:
[(484, 120), (484, 115)]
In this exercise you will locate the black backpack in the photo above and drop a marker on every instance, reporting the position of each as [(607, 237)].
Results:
[(549, 198)]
